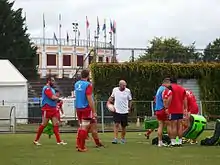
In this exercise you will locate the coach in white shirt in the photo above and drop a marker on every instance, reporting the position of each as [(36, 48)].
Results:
[(121, 96)]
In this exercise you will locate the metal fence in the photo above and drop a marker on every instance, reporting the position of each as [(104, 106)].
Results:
[(25, 117)]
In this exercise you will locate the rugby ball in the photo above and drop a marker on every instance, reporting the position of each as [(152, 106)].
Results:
[(111, 107)]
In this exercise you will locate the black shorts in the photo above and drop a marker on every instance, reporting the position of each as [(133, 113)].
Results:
[(121, 119), (176, 116)]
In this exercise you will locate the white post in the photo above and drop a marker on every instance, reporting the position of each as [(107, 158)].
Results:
[(152, 108), (86, 59), (102, 115), (200, 104), (60, 57), (44, 64)]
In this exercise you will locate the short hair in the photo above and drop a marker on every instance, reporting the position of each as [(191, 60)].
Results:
[(85, 73), (173, 80), (166, 80), (49, 78)]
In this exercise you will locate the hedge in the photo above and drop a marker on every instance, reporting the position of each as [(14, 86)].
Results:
[(144, 78)]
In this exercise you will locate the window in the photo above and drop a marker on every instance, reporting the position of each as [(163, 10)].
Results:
[(100, 59), (90, 59), (51, 60), (66, 60), (79, 60), (107, 60)]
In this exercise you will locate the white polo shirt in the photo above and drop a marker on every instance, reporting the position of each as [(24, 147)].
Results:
[(121, 99)]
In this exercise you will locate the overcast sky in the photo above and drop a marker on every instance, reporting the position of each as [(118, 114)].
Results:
[(138, 21)]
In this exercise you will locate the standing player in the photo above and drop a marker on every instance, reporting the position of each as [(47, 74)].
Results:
[(85, 108), (122, 104), (176, 109), (162, 103), (49, 111)]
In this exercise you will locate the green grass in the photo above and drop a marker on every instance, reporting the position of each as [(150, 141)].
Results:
[(17, 149)]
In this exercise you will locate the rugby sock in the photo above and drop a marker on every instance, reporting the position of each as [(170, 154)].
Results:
[(180, 140), (160, 142), (82, 136), (39, 132), (56, 132), (77, 138), (149, 132), (96, 138)]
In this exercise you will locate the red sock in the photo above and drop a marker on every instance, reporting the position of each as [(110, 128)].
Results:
[(82, 138), (39, 132), (96, 140), (57, 133), (149, 132), (77, 138)]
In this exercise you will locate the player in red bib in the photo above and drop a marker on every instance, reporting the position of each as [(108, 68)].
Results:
[(176, 111)]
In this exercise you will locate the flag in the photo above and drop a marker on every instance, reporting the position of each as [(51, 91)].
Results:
[(104, 25), (60, 20), (98, 27), (43, 21), (44, 25), (114, 27), (87, 22), (67, 37), (55, 37), (111, 27)]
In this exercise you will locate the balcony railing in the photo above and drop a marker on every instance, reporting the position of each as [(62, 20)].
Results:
[(64, 42)]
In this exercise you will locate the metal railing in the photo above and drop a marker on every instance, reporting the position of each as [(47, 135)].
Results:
[(28, 115)]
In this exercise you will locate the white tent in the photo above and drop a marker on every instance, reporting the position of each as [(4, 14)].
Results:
[(13, 89)]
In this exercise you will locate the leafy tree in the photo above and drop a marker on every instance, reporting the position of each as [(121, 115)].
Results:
[(15, 43), (212, 51), (169, 50)]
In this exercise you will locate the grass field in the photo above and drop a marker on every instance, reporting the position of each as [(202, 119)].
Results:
[(17, 149)]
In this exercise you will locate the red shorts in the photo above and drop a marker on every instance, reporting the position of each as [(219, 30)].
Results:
[(161, 115), (85, 114), (49, 114)]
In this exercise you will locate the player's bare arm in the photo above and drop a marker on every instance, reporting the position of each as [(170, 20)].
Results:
[(91, 103), (49, 94), (110, 100)]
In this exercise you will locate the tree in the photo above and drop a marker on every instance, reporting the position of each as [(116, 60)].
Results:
[(212, 51), (15, 43), (169, 50)]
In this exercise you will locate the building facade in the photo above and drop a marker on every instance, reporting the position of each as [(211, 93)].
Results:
[(63, 58)]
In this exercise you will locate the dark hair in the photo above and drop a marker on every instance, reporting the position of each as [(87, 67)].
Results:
[(173, 80), (49, 78), (166, 80), (85, 73), (57, 90)]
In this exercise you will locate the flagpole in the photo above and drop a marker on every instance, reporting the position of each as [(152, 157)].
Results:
[(105, 37), (44, 58), (60, 50)]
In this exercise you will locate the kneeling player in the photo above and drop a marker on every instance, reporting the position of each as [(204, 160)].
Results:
[(162, 103), (192, 109)]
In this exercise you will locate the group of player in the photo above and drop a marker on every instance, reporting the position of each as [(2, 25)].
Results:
[(51, 107), (173, 106)]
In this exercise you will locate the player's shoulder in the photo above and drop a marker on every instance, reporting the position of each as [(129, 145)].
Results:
[(115, 89), (127, 90)]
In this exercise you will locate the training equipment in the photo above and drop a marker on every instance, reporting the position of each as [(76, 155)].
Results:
[(150, 123), (197, 126), (111, 107), (215, 139), (49, 128)]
